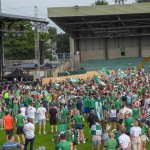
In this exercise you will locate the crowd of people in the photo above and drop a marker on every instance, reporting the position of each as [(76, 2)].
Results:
[(116, 109)]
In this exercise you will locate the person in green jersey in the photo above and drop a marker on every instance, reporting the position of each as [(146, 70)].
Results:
[(74, 103), (11, 104), (118, 104), (112, 101), (77, 121), (37, 105), (63, 145), (99, 109), (135, 112), (56, 139), (128, 123), (20, 120), (53, 102), (96, 132), (2, 114), (92, 102), (69, 136), (15, 108), (86, 106), (28, 100), (6, 97), (105, 107), (63, 114), (111, 143), (116, 132), (139, 91), (75, 140), (144, 129)]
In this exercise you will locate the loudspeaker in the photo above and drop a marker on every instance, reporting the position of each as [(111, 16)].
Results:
[(41, 49), (123, 53)]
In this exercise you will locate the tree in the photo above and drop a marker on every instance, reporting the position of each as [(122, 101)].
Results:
[(101, 2), (63, 43), (142, 1), (20, 45), (61, 40), (47, 53), (52, 33)]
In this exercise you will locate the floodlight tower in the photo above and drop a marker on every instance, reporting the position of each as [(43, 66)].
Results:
[(36, 37), (0, 6)]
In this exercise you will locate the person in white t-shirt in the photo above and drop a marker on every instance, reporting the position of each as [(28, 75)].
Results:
[(135, 135), (124, 140), (42, 115), (147, 102), (31, 112), (23, 110), (29, 130), (122, 112)]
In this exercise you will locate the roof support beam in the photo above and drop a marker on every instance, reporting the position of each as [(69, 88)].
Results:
[(113, 28), (107, 21), (114, 36)]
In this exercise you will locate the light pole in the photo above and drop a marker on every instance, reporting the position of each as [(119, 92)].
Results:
[(0, 7)]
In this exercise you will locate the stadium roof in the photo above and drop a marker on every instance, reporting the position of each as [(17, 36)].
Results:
[(103, 20), (10, 17), (99, 10)]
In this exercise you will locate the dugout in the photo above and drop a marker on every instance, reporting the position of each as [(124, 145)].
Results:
[(106, 31)]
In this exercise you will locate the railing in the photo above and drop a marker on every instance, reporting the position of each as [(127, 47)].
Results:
[(61, 68), (143, 62)]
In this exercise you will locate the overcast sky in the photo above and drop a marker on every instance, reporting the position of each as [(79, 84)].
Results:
[(26, 7)]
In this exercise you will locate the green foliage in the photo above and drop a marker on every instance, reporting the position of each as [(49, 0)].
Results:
[(48, 55), (101, 2), (52, 33), (21, 46), (63, 43), (62, 40)]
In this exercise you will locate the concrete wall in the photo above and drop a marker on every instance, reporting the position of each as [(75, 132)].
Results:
[(130, 44), (61, 68), (95, 48), (92, 49)]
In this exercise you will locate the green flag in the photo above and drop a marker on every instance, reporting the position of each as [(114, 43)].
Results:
[(62, 127), (98, 81), (55, 86), (76, 80), (105, 71), (17, 93), (67, 72), (121, 74)]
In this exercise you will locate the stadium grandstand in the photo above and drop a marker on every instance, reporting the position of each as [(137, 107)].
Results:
[(114, 36)]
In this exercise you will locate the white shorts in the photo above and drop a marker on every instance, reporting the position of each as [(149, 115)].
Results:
[(42, 122)]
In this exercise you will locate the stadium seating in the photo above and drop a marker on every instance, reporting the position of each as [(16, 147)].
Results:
[(115, 64), (147, 66)]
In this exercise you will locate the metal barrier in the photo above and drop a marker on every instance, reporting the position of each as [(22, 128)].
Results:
[(9, 83)]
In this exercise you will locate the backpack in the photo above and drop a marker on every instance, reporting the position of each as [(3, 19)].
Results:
[(79, 104)]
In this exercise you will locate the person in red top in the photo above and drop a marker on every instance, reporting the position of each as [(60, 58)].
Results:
[(8, 124)]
